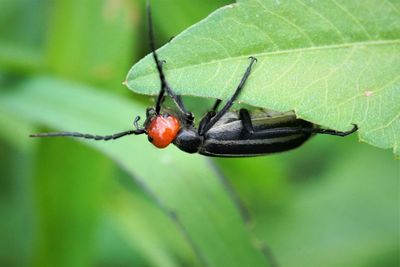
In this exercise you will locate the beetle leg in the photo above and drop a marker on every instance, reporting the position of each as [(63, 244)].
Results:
[(299, 130), (189, 118), (229, 104), (206, 119), (216, 105), (332, 132), (246, 120)]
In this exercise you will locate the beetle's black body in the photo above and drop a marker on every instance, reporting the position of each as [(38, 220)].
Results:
[(272, 132), (222, 133)]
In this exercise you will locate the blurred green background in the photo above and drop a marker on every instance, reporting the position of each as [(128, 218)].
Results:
[(332, 202)]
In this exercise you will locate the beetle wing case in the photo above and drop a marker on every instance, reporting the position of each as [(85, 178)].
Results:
[(273, 132)]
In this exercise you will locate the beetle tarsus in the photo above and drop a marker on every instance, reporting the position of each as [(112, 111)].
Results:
[(333, 132), (253, 58)]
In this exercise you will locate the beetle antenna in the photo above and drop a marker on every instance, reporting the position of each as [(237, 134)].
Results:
[(156, 59), (90, 136), (96, 137), (164, 85)]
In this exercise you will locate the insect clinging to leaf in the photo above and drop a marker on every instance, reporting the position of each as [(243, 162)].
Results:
[(221, 132)]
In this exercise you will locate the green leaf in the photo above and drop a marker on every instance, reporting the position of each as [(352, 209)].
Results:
[(155, 241), (333, 62), (185, 186), (68, 190), (100, 34)]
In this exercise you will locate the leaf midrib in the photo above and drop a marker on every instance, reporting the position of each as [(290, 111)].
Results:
[(290, 51)]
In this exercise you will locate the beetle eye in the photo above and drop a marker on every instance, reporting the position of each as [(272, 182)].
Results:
[(150, 139)]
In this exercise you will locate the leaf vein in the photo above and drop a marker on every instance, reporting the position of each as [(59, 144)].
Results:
[(292, 51), (357, 21), (333, 71), (295, 26), (392, 6), (385, 125), (324, 18)]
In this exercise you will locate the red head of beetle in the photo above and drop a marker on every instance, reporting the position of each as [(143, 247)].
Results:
[(162, 129)]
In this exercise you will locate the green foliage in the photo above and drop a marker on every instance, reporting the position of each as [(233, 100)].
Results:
[(184, 185), (333, 62), (67, 202)]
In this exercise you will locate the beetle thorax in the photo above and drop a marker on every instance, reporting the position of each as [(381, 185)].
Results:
[(188, 140)]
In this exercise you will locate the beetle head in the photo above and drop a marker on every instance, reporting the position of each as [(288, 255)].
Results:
[(162, 128)]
